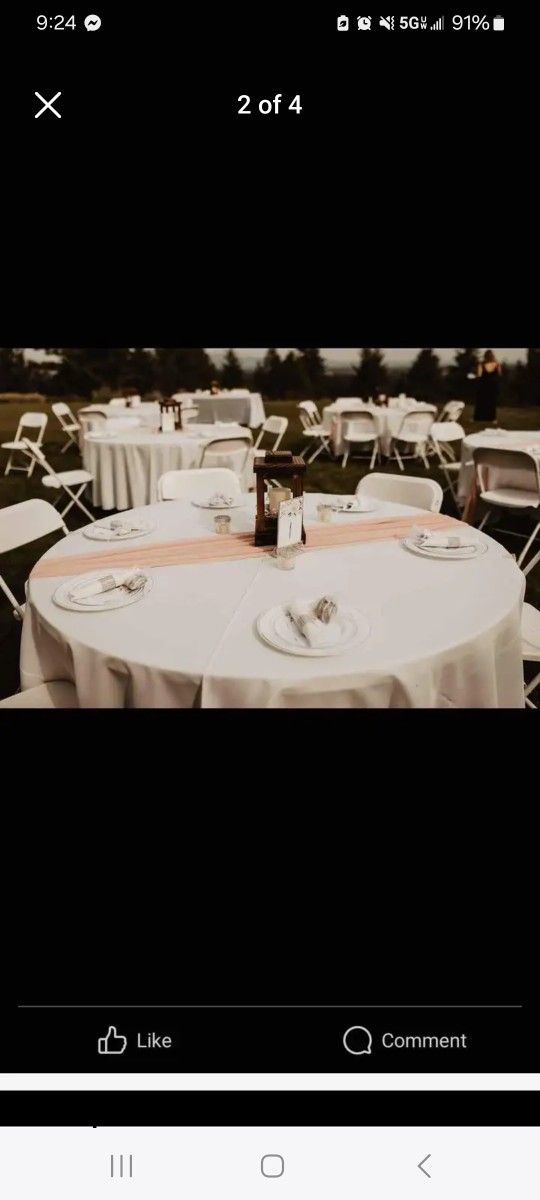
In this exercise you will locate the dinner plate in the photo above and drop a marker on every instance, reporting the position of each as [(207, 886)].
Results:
[(440, 552), (104, 601), (218, 507), (278, 630), (367, 506), (101, 532)]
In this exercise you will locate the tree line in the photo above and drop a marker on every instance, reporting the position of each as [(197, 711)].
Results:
[(296, 375)]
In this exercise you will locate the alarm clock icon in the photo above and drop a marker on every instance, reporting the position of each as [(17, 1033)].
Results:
[(364, 22)]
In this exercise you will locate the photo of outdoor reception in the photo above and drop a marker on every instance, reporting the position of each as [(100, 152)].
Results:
[(270, 528)]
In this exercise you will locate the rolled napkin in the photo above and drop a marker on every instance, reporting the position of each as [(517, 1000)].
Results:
[(326, 609), (316, 633), (133, 580), (443, 541), (220, 500)]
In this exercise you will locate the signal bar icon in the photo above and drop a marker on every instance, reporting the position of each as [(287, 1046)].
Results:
[(438, 24)]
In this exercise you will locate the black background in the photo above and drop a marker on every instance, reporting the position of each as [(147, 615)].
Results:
[(399, 209)]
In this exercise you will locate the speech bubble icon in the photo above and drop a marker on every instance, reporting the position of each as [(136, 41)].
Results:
[(357, 1040)]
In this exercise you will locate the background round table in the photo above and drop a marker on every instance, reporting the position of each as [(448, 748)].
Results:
[(127, 465), (388, 421), (443, 634)]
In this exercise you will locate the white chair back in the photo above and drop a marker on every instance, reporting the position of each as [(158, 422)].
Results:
[(452, 410), (30, 420), (198, 483), (515, 469), (227, 452), (62, 411), (447, 431), (277, 425), (416, 425), (310, 409), (361, 423), (403, 489), (24, 522)]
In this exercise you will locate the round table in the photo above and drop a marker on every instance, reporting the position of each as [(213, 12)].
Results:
[(127, 465), (491, 439), (443, 634), (245, 407), (388, 421), (147, 412)]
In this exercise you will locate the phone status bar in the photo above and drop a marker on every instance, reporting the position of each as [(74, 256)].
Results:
[(473, 23)]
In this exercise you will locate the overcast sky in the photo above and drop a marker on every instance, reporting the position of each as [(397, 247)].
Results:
[(337, 357)]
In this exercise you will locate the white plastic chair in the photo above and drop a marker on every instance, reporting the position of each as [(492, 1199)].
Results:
[(198, 483), (403, 489), (28, 420), (70, 426), (62, 480), (313, 428), (57, 694), (530, 637), (229, 452), (442, 436), (277, 425), (520, 492), (361, 430), (414, 430), (23, 523), (452, 411)]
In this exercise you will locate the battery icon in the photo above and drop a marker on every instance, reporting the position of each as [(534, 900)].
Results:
[(498, 22)]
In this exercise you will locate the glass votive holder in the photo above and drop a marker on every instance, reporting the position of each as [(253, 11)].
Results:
[(222, 523), (324, 512), (285, 557)]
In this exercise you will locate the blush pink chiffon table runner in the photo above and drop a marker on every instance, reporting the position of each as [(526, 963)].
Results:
[(235, 546)]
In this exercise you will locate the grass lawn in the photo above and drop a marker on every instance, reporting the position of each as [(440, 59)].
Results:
[(322, 476)]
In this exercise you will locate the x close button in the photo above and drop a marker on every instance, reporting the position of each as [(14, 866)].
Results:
[(48, 105)]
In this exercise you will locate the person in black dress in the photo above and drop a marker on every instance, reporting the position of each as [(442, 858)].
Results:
[(487, 388)]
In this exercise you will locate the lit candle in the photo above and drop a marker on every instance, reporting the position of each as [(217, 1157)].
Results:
[(275, 496)]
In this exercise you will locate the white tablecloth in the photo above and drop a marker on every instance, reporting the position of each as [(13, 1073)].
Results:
[(518, 439), (245, 407), (388, 421), (127, 466), (443, 634)]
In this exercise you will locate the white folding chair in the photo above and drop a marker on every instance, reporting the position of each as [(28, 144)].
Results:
[(68, 422), (23, 523), (516, 488), (313, 428), (530, 636), (64, 480), (230, 452), (452, 411), (28, 420), (443, 435), (403, 489), (198, 483), (277, 425), (57, 694), (413, 431), (361, 429)]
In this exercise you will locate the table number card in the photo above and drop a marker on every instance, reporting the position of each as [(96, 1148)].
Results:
[(167, 422), (290, 522)]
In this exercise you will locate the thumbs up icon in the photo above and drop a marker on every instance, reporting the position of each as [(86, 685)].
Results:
[(112, 1043)]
